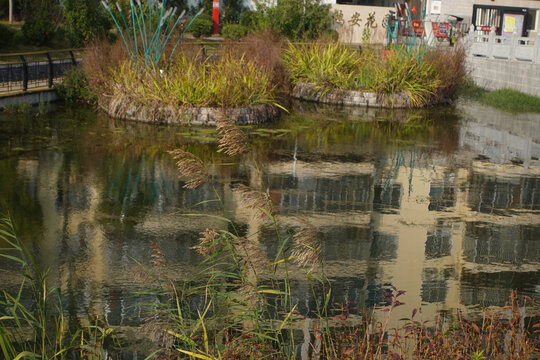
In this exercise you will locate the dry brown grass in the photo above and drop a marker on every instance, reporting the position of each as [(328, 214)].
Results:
[(449, 65), (99, 59), (264, 49)]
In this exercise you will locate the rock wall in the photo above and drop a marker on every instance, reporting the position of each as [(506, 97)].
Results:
[(254, 114), (315, 93)]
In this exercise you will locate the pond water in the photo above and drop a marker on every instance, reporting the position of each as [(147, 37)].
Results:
[(443, 203)]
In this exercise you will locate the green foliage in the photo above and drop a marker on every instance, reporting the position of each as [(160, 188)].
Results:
[(336, 66), (510, 100), (234, 31), (22, 107), (202, 26), (39, 331), (7, 36), (301, 19), (229, 82), (41, 17), (86, 20), (332, 65), (294, 19), (75, 86), (248, 18), (416, 79)]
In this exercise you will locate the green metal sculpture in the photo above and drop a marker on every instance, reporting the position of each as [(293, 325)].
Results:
[(150, 27), (410, 41)]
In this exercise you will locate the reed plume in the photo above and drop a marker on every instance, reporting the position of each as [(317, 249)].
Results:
[(208, 244), (233, 141), (191, 167), (307, 249), (256, 200)]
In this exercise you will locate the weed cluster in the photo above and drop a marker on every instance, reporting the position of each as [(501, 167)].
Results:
[(39, 331)]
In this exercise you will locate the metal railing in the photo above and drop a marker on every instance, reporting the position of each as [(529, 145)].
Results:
[(30, 70), (511, 47)]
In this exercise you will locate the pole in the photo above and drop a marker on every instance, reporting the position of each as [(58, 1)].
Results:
[(215, 16)]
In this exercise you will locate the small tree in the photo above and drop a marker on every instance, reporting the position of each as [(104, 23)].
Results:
[(40, 20), (296, 19), (86, 20)]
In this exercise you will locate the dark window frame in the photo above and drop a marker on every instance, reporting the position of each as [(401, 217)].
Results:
[(503, 10)]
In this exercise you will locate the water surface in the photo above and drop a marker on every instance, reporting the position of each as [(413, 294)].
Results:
[(443, 203)]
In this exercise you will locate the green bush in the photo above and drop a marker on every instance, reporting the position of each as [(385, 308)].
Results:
[(38, 31), (75, 86), (248, 18), (7, 36), (234, 31), (202, 26), (40, 21), (301, 19), (86, 20)]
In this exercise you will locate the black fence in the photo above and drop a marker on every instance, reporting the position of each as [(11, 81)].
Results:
[(25, 71)]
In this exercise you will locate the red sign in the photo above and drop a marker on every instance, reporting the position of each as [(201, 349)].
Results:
[(215, 16)]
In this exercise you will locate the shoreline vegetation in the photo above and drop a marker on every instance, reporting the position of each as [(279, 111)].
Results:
[(262, 69)]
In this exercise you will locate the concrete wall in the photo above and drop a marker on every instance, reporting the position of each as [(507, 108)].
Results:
[(353, 34), (463, 8), (496, 74), (32, 97)]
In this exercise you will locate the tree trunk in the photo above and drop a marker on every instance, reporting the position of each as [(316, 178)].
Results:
[(11, 11)]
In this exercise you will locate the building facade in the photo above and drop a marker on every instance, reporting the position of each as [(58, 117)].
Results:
[(507, 16)]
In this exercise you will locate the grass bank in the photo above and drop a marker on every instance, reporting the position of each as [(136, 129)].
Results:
[(509, 100)]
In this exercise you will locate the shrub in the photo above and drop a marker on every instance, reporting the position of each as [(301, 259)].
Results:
[(38, 31), (234, 31), (301, 19), (265, 50), (449, 65), (202, 26), (86, 20), (40, 21), (74, 86), (6, 36), (248, 18)]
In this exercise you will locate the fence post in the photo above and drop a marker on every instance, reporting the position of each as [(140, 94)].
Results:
[(51, 69), (536, 51), (24, 73), (513, 46), (491, 42), (73, 61)]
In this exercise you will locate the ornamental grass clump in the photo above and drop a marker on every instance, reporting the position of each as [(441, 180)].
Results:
[(226, 82), (335, 66), (329, 65)]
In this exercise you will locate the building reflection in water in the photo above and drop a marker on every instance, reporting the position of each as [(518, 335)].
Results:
[(452, 231)]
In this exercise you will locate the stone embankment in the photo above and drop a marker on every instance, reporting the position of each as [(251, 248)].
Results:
[(195, 115), (315, 93)]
